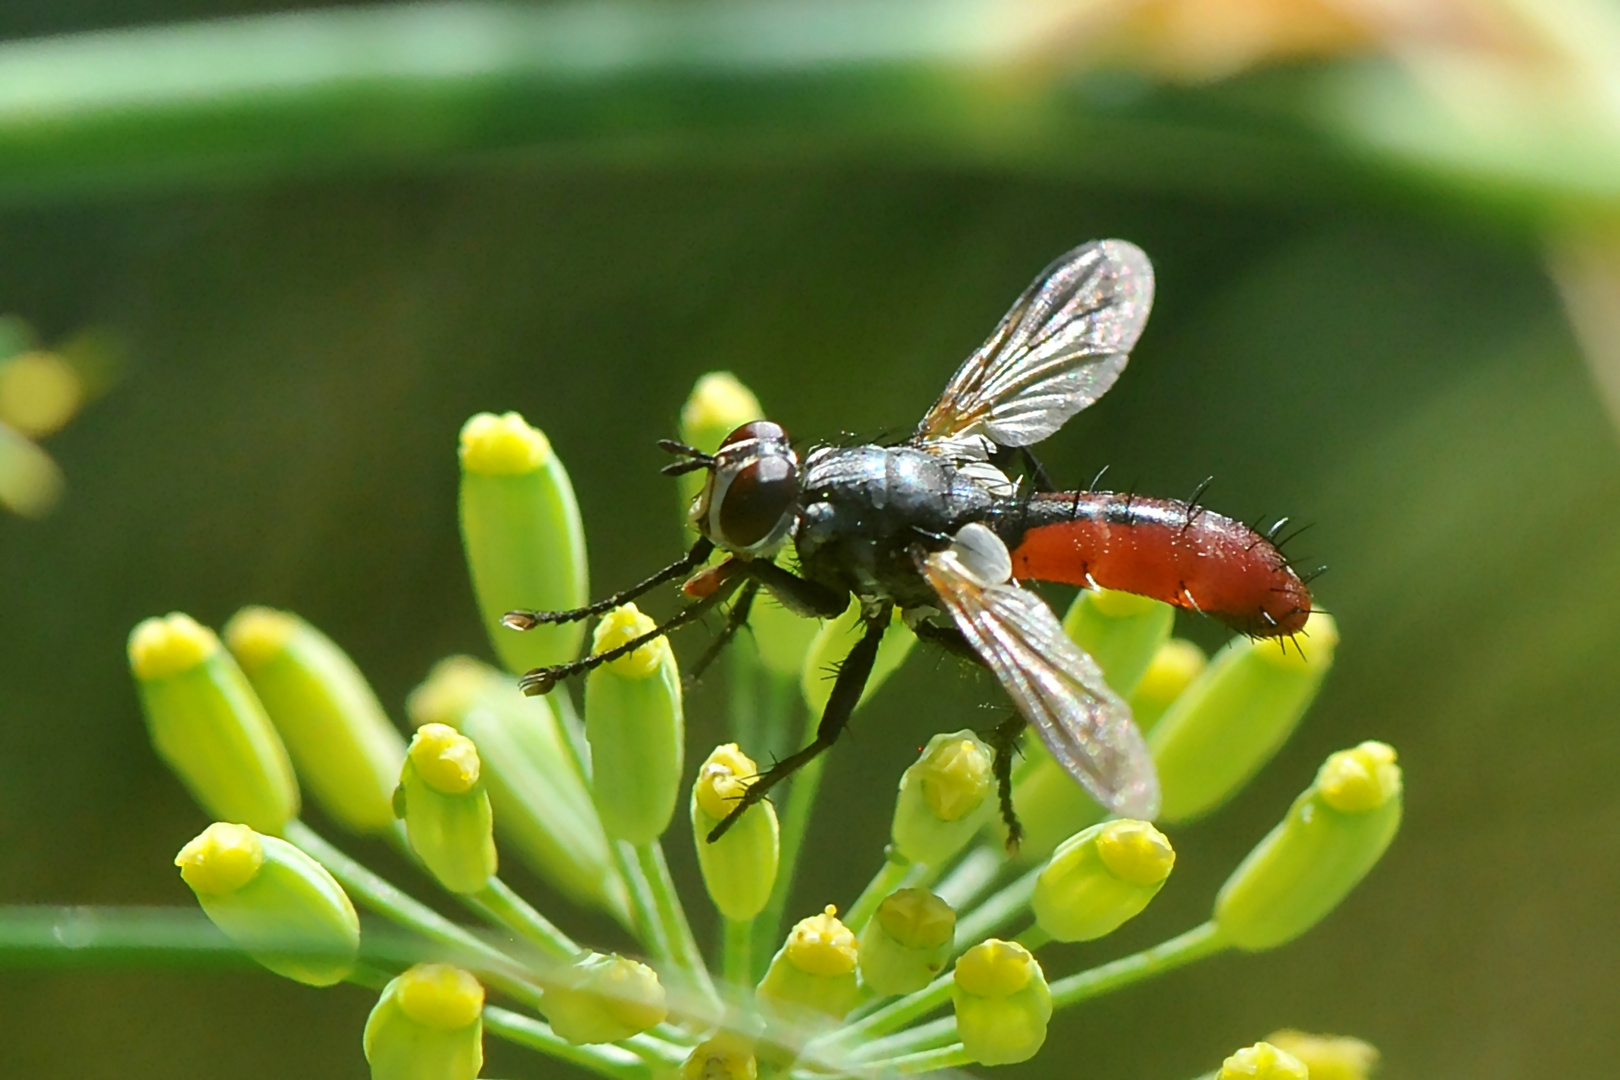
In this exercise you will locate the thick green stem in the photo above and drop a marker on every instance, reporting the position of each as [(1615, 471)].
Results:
[(683, 948), (801, 800), (611, 1061), (1195, 944), (896, 1013), (649, 930), (945, 1057), (976, 872), (501, 905), (935, 1033), (885, 881)]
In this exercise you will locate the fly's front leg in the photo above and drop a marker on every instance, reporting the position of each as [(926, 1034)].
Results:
[(800, 596), (735, 620), (846, 692), (528, 620)]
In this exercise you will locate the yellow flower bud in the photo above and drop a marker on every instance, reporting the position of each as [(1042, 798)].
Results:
[(814, 971), (726, 1056), (446, 809), (277, 903), (1177, 663), (207, 723), (525, 543), (39, 392), (635, 724), (342, 743), (31, 481), (719, 404), (1002, 1003), (907, 942), (946, 796), (605, 998), (1119, 630), (739, 869), (1262, 1061), (427, 1025), (1099, 878), (1328, 1057), (542, 808), (1235, 715), (1333, 835)]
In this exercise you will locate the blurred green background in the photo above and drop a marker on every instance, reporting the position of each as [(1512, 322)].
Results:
[(312, 281)]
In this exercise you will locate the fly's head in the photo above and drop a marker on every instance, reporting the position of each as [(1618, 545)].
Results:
[(749, 502)]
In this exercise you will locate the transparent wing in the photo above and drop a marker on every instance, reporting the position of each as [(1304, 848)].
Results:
[(1058, 350), (1057, 687)]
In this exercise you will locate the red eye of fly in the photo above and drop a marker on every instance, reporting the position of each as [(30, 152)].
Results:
[(758, 497)]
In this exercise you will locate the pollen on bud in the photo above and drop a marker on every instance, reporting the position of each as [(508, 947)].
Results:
[(725, 1056), (1235, 715), (1174, 667), (446, 760), (342, 743), (1100, 878), (1355, 781), (1328, 1057), (1119, 630), (605, 998), (278, 904), (1002, 1003), (210, 727), (221, 859), (1332, 836), (945, 798), (635, 722), (907, 942), (739, 869), (1262, 1061), (446, 808), (169, 645), (427, 1025), (503, 445), (814, 971), (621, 626)]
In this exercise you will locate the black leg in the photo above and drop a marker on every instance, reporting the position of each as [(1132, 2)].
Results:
[(846, 693), (528, 620), (542, 680), (1003, 739), (805, 598), (950, 639), (735, 620)]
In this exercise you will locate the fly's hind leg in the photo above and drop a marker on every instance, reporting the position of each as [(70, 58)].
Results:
[(846, 692)]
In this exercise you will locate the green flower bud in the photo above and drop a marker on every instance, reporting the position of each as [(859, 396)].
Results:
[(342, 743), (1002, 1003), (945, 797), (1174, 667), (812, 976), (542, 808), (208, 724), (604, 998), (719, 404), (525, 544), (278, 904), (428, 1025), (739, 869), (1100, 878), (1050, 805), (1235, 715), (1121, 631), (447, 816), (1262, 1061), (1328, 1057), (784, 639), (1333, 834), (726, 1056), (635, 726), (833, 642), (907, 942)]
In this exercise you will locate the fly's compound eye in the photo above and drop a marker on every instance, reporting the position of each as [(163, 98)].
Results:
[(752, 491)]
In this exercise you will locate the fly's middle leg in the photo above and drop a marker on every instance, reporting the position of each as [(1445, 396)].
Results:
[(846, 692)]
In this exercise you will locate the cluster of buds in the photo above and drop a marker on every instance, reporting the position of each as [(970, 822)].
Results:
[(41, 390), (587, 800)]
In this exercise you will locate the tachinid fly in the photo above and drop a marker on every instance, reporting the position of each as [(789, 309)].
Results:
[(937, 528)]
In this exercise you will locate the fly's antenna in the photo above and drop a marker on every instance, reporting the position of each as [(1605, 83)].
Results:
[(692, 458)]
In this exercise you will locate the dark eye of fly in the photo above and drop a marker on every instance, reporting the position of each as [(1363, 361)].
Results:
[(758, 496), (757, 429)]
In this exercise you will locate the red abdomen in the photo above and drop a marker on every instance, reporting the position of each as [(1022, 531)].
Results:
[(1163, 548)]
